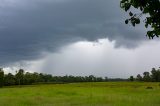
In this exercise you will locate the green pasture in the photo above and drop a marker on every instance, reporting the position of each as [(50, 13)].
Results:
[(82, 94)]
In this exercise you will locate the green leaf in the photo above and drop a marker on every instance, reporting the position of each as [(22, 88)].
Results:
[(130, 13), (126, 21)]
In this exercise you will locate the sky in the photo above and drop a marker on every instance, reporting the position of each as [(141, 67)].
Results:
[(73, 37)]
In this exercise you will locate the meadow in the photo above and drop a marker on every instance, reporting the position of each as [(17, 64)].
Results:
[(82, 94)]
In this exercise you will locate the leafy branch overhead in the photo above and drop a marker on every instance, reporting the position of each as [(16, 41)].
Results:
[(151, 9)]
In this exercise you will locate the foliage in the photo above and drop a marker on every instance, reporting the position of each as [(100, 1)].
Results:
[(154, 76), (150, 9), (20, 77), (1, 77), (26, 78), (131, 78), (139, 77), (9, 79), (146, 76)]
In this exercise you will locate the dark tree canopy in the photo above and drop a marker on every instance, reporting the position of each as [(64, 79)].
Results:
[(150, 9), (131, 78), (1, 77), (27, 78), (153, 76)]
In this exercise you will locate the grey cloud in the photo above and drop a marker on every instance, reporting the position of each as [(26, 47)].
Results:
[(100, 59), (29, 27)]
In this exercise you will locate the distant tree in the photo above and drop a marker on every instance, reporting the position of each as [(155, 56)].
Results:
[(150, 9), (91, 78), (20, 77), (1, 77), (106, 79), (146, 77), (41, 77), (35, 77), (158, 72), (99, 79), (139, 78), (48, 77), (154, 75), (131, 78), (28, 78), (9, 79)]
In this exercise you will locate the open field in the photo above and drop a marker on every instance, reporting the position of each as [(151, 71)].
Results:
[(82, 94)]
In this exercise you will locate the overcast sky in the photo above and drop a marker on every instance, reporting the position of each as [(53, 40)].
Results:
[(73, 37)]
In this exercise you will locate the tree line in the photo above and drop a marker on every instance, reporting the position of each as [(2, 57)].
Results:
[(27, 78), (153, 76)]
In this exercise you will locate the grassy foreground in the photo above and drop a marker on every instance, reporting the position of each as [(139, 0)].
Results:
[(83, 94)]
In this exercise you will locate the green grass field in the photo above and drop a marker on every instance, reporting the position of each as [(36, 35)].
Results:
[(82, 94)]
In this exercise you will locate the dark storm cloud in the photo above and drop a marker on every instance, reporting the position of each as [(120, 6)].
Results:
[(30, 27)]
